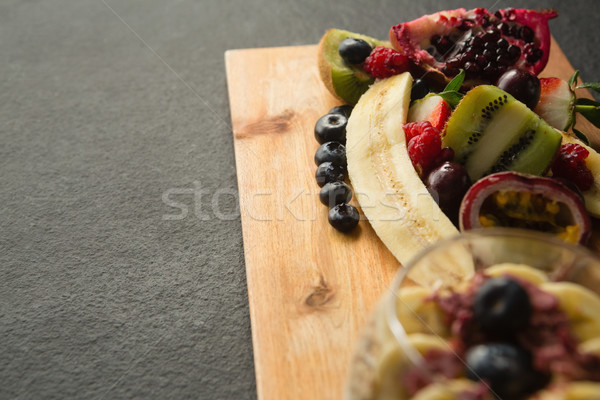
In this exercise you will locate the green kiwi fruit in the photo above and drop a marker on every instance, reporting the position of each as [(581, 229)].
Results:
[(344, 81), (464, 131), (490, 132)]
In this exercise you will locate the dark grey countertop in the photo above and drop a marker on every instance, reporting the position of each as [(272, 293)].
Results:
[(106, 108)]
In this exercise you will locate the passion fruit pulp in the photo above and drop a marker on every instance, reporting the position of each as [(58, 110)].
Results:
[(511, 199)]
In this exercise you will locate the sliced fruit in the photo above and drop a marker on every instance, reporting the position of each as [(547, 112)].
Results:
[(345, 81), (581, 305), (431, 108), (389, 190), (581, 390), (448, 390), (591, 346), (490, 131), (557, 102), (521, 271), (482, 43), (510, 199), (394, 363), (418, 313)]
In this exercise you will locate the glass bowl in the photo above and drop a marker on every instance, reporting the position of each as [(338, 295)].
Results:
[(445, 265)]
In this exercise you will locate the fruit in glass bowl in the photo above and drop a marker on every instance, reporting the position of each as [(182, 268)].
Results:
[(529, 312)]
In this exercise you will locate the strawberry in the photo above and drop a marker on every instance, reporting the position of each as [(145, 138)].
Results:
[(557, 103), (430, 108)]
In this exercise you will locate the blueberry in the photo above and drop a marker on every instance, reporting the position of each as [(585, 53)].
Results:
[(335, 152), (502, 307), (331, 127), (419, 90), (345, 110), (344, 217), (329, 172), (334, 193), (354, 51), (507, 369)]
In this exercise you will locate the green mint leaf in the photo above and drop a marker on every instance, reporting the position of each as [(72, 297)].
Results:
[(581, 136), (456, 83), (573, 79), (595, 86), (451, 97)]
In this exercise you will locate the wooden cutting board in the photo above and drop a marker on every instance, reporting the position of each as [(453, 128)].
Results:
[(310, 288)]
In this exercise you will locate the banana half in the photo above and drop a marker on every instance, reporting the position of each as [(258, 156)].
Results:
[(391, 194)]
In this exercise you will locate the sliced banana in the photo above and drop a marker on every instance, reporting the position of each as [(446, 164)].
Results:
[(387, 187), (581, 305), (582, 390), (417, 312), (394, 364), (591, 196), (522, 271), (448, 390), (591, 346)]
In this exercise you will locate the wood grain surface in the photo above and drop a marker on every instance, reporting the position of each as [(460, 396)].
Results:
[(310, 288)]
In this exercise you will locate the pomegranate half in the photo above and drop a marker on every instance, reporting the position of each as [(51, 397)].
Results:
[(482, 43)]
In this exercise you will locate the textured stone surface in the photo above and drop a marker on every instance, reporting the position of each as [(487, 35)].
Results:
[(105, 106)]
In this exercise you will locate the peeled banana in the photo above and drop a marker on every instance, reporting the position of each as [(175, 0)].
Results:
[(390, 192)]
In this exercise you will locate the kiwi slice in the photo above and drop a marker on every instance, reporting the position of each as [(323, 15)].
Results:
[(490, 132), (344, 81), (468, 122)]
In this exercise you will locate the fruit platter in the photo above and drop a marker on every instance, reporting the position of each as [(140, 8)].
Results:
[(460, 120)]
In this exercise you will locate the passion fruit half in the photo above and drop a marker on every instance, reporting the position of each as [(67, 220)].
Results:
[(511, 199)]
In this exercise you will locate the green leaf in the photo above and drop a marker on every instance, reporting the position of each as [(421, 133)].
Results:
[(591, 113), (582, 101), (573, 79), (595, 86), (581, 136), (451, 97), (456, 83)]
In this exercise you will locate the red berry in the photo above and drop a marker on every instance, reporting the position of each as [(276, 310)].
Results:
[(413, 129), (424, 149), (570, 165), (384, 62)]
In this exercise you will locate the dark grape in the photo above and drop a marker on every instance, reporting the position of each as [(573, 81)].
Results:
[(524, 86), (448, 183)]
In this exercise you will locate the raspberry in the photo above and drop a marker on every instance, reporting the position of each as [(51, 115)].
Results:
[(413, 129), (570, 165), (384, 62), (424, 150)]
